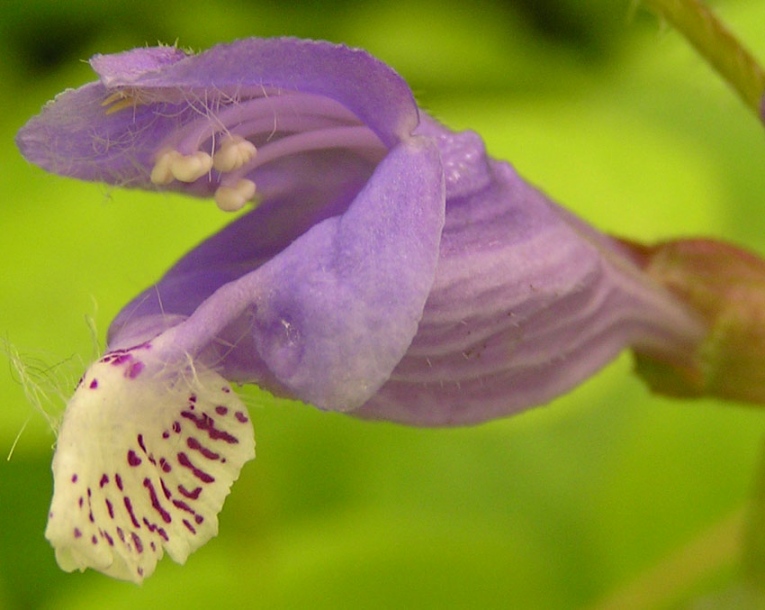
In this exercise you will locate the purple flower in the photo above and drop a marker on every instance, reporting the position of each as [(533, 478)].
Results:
[(389, 269)]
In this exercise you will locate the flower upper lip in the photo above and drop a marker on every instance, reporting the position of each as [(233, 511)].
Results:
[(369, 88), (286, 96)]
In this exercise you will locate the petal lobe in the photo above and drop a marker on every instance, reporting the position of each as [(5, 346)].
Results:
[(144, 461)]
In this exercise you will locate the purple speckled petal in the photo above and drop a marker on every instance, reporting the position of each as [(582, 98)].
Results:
[(145, 458), (328, 318)]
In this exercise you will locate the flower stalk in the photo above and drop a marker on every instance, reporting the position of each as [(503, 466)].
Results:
[(712, 39), (667, 581)]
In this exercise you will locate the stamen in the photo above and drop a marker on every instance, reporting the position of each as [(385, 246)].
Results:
[(171, 165), (188, 168), (355, 137), (233, 153), (120, 100), (291, 107), (233, 198), (282, 125), (161, 173), (335, 137), (114, 97)]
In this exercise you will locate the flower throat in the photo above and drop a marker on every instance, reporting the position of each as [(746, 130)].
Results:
[(225, 140)]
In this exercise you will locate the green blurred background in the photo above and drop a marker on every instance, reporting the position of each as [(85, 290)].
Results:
[(609, 112)]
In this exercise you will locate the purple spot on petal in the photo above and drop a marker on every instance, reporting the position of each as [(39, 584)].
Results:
[(74, 478), (93, 539), (241, 417), (194, 444), (93, 384), (104, 480), (177, 427), (191, 495), (109, 507), (221, 410), (189, 526), (184, 461), (155, 501), (206, 423), (180, 504), (77, 533), (134, 369), (137, 543), (129, 508), (118, 481), (133, 459), (164, 465), (120, 359)]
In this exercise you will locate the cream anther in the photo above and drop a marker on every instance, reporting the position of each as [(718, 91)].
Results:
[(172, 165), (233, 198), (188, 168), (234, 152), (161, 173)]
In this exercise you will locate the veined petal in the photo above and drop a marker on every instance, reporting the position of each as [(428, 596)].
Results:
[(145, 457), (527, 302)]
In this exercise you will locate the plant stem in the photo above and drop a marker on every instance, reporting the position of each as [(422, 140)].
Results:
[(716, 548), (717, 45)]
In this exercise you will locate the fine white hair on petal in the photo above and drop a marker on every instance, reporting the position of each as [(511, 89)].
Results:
[(145, 459)]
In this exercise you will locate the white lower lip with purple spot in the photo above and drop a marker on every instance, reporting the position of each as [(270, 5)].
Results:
[(145, 458)]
